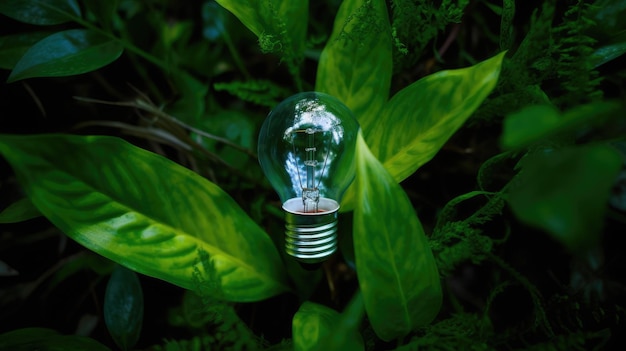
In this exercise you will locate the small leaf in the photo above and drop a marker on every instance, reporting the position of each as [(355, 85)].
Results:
[(312, 324), (13, 47), (565, 192), (28, 339), (144, 212), (281, 19), (123, 307), (356, 63), (41, 12), (396, 269), (320, 328), (19, 211), (66, 53)]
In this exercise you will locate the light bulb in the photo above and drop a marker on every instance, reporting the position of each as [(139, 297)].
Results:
[(307, 151)]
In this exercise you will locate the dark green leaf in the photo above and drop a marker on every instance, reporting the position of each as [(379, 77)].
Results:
[(144, 212), (356, 63), (66, 53), (608, 53), (19, 211), (103, 10), (396, 269), (536, 123), (40, 12), (565, 192), (123, 307), (42, 339), (13, 47)]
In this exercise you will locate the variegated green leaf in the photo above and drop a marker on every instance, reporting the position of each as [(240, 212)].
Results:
[(144, 211), (397, 272), (356, 63)]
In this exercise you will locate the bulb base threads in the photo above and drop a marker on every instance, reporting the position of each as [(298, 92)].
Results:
[(311, 237)]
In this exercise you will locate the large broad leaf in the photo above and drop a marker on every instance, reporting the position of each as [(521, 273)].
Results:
[(356, 63), (421, 118), (144, 211), (123, 307), (317, 327), (280, 19), (397, 272), (43, 339), (67, 53), (41, 12), (566, 192)]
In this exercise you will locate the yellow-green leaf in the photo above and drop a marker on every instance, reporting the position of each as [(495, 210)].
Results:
[(356, 63), (396, 269), (144, 211)]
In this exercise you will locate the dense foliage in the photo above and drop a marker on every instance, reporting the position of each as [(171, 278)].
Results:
[(489, 195)]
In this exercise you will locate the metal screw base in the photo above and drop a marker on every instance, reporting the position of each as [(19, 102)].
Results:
[(310, 237)]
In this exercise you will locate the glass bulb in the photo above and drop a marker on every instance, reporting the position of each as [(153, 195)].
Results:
[(307, 151)]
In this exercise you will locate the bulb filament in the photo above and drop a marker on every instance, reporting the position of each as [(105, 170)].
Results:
[(310, 190)]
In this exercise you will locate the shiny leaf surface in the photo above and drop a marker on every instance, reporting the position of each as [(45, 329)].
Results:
[(144, 211), (66, 53), (123, 307), (13, 46), (397, 273)]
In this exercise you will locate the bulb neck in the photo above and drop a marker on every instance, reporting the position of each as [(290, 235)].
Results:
[(311, 237)]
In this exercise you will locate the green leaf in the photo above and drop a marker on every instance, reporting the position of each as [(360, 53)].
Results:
[(538, 122), (41, 12), (13, 47), (123, 307), (356, 63), (565, 192), (396, 269), (42, 339), (311, 325), (144, 211), (19, 211), (282, 20), (66, 53), (104, 11), (607, 53), (317, 327), (421, 118)]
